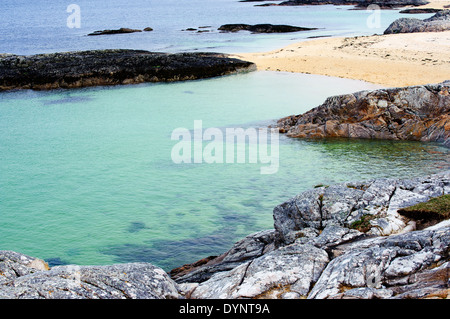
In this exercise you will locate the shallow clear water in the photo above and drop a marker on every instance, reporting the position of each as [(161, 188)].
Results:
[(86, 175)]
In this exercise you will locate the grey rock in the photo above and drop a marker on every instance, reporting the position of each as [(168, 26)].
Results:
[(262, 28), (390, 265), (346, 203), (294, 268), (126, 281), (439, 22), (313, 252), (249, 248)]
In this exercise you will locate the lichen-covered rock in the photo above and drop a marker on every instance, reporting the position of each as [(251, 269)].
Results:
[(420, 113), (14, 265), (390, 266)]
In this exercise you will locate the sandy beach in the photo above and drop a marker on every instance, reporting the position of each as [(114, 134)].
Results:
[(436, 4), (389, 60)]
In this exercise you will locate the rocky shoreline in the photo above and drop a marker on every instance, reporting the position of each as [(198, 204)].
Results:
[(316, 251), (111, 67), (419, 113)]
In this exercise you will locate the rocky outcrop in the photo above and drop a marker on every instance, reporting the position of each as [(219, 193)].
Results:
[(251, 247), (439, 22), (347, 204), (410, 265), (111, 67), (20, 280), (420, 113), (116, 31), (262, 28), (316, 250)]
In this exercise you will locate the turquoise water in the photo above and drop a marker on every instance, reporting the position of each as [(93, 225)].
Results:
[(86, 175)]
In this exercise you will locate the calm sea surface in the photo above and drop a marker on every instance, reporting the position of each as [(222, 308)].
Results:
[(86, 175)]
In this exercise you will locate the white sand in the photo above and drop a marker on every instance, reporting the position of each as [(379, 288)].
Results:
[(389, 60)]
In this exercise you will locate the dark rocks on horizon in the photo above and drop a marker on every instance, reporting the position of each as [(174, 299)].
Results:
[(439, 22), (119, 31), (384, 4), (420, 10), (262, 28), (111, 67)]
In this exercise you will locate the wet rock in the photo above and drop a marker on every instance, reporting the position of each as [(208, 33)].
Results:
[(111, 67), (117, 31), (249, 248), (262, 28), (14, 265)]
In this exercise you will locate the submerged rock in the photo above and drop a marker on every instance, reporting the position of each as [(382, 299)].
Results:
[(420, 113), (439, 22), (111, 67)]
